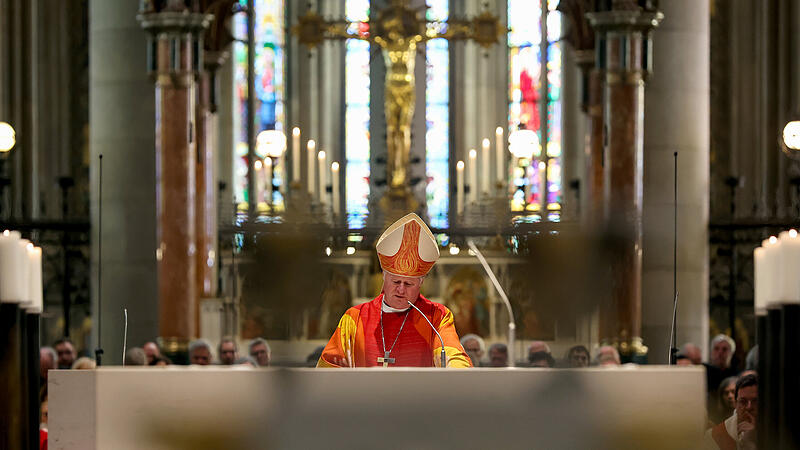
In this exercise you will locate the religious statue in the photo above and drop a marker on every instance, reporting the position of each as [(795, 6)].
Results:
[(399, 30)]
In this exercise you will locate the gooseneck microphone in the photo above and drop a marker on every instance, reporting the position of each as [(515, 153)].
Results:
[(444, 357)]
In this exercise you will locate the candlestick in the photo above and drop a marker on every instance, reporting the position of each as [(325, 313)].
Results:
[(486, 182), (268, 178), (323, 176), (473, 176), (460, 187), (335, 187), (312, 146), (498, 134), (295, 154)]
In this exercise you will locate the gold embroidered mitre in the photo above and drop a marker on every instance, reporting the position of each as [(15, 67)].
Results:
[(407, 248)]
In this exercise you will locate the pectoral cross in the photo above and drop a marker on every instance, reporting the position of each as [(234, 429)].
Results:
[(385, 359)]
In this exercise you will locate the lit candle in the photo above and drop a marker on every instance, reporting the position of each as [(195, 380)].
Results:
[(10, 267), (498, 135), (473, 176), (543, 186), (268, 178), (772, 278), (759, 280), (259, 178), (35, 279), (25, 271), (323, 176), (295, 154), (312, 147), (460, 187), (281, 169), (335, 187), (789, 266), (486, 182)]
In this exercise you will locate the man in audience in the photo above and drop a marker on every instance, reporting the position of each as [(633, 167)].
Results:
[(498, 355), (151, 351), (682, 360), (135, 357), (47, 361), (577, 356), (738, 432), (66, 353), (228, 352), (200, 352), (475, 348), (693, 353), (259, 350), (719, 365), (607, 356), (84, 363)]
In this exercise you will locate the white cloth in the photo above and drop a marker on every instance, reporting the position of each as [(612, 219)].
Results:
[(731, 426), (388, 309)]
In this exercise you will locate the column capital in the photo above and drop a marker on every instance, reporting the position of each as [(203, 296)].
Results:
[(624, 20), (174, 22), (174, 44)]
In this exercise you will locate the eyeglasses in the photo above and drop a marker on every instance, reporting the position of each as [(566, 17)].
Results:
[(747, 402)]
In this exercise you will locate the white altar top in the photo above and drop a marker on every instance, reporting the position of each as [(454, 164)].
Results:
[(212, 407)]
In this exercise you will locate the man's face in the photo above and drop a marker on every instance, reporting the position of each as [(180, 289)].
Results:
[(398, 291), (578, 359), (200, 356), (227, 353), (473, 349), (66, 354), (45, 363), (498, 358), (720, 354), (260, 354), (747, 402), (151, 351), (729, 395)]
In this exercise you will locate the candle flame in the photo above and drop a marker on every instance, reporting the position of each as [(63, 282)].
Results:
[(792, 233), (29, 247), (6, 233), (460, 165), (321, 154), (498, 131), (295, 131), (485, 143), (311, 144), (542, 165), (268, 161), (258, 165), (335, 166), (473, 154), (773, 239)]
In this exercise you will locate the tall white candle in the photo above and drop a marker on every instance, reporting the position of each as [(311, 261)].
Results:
[(473, 176), (268, 178), (543, 186), (323, 176), (460, 187), (335, 187), (312, 150), (35, 279), (10, 268), (771, 272), (25, 266), (498, 139), (486, 182), (295, 155), (789, 290), (283, 173)]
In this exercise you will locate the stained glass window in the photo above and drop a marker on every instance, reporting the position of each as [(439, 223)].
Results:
[(357, 97), (269, 95), (437, 117), (535, 92)]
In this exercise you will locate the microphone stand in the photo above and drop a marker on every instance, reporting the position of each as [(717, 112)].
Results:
[(512, 326), (444, 357), (673, 342), (98, 352)]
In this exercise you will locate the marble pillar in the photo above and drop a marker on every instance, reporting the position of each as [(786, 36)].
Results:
[(676, 119), (174, 59), (121, 114), (623, 52)]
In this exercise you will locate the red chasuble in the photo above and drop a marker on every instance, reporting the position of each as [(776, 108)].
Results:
[(357, 340)]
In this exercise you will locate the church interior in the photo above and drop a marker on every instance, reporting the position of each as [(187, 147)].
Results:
[(616, 176)]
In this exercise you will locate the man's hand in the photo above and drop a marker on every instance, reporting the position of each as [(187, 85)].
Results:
[(344, 361), (746, 423)]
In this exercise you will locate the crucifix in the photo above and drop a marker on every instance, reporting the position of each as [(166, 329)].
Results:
[(398, 30), (385, 359)]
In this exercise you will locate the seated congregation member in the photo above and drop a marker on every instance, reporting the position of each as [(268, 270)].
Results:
[(725, 402), (498, 355), (259, 350), (738, 432), (577, 356), (135, 357), (539, 355), (607, 356), (681, 359), (151, 351), (47, 362), (693, 353), (200, 353), (228, 352), (84, 363), (396, 329), (65, 350), (475, 348), (719, 363)]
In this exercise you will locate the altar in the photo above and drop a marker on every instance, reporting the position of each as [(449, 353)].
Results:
[(177, 407)]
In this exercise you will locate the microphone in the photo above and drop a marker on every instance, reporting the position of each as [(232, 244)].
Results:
[(444, 357)]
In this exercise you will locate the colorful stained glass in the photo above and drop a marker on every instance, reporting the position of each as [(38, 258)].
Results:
[(357, 97), (269, 92), (437, 118), (540, 178)]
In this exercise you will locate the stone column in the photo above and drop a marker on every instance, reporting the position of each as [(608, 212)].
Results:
[(623, 52), (677, 120), (174, 58)]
